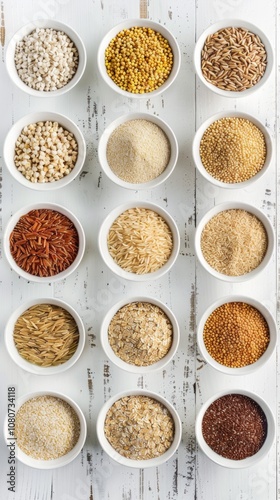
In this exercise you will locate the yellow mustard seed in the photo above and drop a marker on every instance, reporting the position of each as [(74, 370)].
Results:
[(135, 56)]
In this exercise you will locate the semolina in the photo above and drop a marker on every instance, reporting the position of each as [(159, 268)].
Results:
[(138, 151)]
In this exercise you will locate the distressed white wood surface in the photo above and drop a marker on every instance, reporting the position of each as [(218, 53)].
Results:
[(187, 382)]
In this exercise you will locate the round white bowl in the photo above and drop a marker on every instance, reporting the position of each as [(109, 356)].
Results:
[(245, 369), (57, 462), (226, 462), (159, 365), (31, 367), (228, 206), (14, 220), (237, 23), (139, 464), (110, 262), (130, 23), (102, 149), (26, 30), (196, 146), (15, 131)]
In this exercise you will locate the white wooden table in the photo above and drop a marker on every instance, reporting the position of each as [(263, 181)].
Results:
[(92, 289)]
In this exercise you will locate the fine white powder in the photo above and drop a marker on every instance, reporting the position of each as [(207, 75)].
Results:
[(138, 151)]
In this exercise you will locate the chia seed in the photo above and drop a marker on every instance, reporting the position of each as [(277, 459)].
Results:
[(234, 426)]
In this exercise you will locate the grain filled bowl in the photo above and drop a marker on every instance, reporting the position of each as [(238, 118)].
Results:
[(138, 151), (139, 241), (140, 334), (45, 336), (50, 430), (238, 70), (132, 441), (238, 424), (237, 335), (44, 151), (44, 242), (232, 150), (164, 52), (234, 241), (45, 75)]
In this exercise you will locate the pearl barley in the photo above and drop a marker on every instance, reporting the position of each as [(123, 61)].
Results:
[(46, 59)]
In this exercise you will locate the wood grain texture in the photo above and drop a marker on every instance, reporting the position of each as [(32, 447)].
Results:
[(188, 381)]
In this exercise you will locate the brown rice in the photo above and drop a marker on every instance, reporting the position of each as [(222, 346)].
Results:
[(140, 241)]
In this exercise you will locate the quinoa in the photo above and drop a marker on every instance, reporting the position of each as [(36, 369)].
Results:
[(234, 242), (234, 426), (46, 427), (233, 150), (236, 334), (138, 151), (140, 333)]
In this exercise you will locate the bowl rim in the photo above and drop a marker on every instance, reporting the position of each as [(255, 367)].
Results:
[(159, 365), (229, 206), (57, 462), (48, 206), (224, 23), (36, 117), (248, 369), (127, 24), (102, 148), (31, 367), (226, 462), (198, 137), (140, 464), (26, 30), (109, 261)]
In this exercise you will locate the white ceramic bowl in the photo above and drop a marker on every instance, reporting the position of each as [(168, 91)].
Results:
[(130, 23), (141, 464), (57, 462), (159, 365), (14, 220), (102, 148), (31, 367), (247, 462), (196, 146), (245, 369), (228, 206), (15, 131), (26, 30), (109, 261), (237, 23)]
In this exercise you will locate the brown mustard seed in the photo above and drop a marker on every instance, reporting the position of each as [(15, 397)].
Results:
[(139, 60), (236, 334), (233, 59), (233, 150), (234, 426)]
